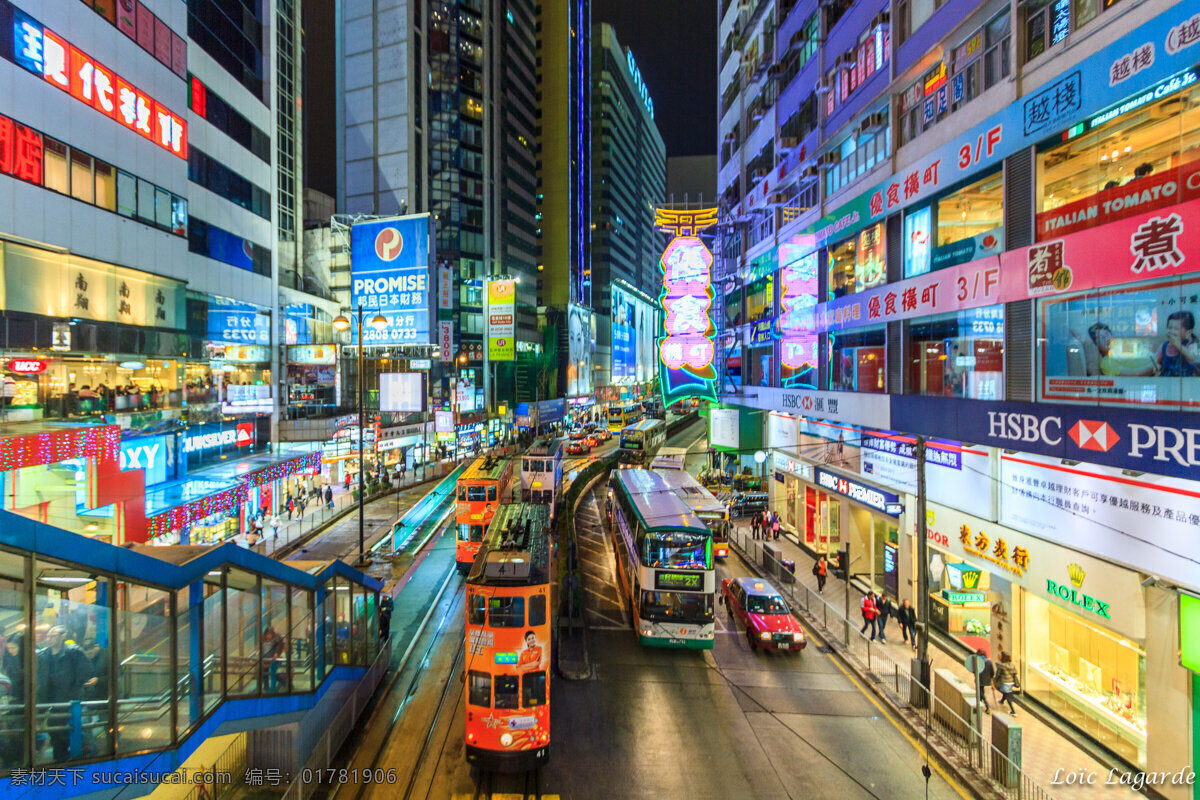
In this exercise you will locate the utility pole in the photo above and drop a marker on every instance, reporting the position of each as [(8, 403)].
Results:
[(921, 666)]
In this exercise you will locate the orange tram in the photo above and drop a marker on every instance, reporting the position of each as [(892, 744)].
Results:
[(482, 488), (508, 643)]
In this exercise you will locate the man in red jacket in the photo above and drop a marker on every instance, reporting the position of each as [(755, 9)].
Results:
[(869, 612)]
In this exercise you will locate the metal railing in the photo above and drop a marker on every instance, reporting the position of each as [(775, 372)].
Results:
[(231, 762), (957, 740)]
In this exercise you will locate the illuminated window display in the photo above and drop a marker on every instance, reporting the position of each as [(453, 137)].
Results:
[(959, 599), (961, 226), (1141, 155), (958, 355), (1133, 344), (858, 263), (858, 361), (1089, 675)]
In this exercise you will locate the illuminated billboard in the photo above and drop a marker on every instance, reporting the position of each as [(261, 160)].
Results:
[(686, 350), (502, 320), (634, 330), (389, 275), (579, 349), (795, 327)]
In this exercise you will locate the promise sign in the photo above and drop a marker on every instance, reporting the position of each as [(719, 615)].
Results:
[(686, 350)]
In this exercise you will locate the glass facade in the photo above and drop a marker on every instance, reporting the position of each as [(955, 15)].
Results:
[(958, 355)]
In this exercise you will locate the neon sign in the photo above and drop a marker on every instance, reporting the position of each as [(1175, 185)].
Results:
[(686, 350), (639, 84), (61, 64), (795, 326)]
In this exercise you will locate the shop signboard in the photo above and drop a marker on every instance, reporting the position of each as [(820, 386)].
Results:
[(876, 498), (686, 350), (502, 320), (551, 411), (443, 421), (389, 275), (445, 288), (857, 408), (420, 363), (794, 325), (402, 391), (1101, 592), (312, 354), (26, 366), (247, 354), (446, 341), (1156, 442), (1157, 244), (723, 428), (955, 474), (791, 465), (153, 454), (1063, 101)]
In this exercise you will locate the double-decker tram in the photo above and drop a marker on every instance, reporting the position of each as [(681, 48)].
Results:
[(707, 508), (621, 415), (664, 561), (640, 442), (542, 473), (482, 487), (508, 643)]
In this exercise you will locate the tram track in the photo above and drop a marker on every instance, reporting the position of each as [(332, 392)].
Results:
[(485, 789)]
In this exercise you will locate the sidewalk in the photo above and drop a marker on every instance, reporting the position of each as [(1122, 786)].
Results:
[(1044, 751)]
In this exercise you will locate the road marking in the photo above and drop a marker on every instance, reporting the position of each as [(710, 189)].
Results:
[(888, 716)]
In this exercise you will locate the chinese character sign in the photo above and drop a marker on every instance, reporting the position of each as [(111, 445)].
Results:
[(686, 349), (389, 275), (795, 326), (502, 315)]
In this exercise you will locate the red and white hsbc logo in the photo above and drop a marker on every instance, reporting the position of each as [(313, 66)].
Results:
[(27, 366), (1091, 435), (1164, 443), (245, 434)]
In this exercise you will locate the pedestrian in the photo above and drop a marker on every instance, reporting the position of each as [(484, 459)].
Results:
[(385, 616), (906, 617), (754, 526), (821, 570), (987, 673), (63, 672), (775, 526), (346, 483), (1006, 682), (329, 496), (275, 528), (258, 528), (884, 609), (290, 506), (869, 612), (301, 502)]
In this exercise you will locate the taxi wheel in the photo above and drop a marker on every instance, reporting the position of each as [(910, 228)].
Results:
[(729, 611), (750, 640)]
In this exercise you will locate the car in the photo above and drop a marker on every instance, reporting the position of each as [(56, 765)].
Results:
[(578, 447), (577, 434), (744, 503), (762, 611), (592, 440), (603, 434)]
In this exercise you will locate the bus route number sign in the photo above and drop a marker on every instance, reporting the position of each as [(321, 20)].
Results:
[(677, 581)]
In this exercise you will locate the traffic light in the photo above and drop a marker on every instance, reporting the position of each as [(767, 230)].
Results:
[(843, 561)]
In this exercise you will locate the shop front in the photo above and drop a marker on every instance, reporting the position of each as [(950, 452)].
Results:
[(1075, 625)]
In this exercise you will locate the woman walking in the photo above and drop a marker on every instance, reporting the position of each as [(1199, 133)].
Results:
[(1006, 682)]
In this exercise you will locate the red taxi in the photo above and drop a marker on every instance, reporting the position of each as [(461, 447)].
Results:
[(762, 611), (578, 448)]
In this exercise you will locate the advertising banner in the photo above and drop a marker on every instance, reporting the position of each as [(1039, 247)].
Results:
[(389, 275), (153, 454), (580, 337), (856, 408), (634, 330), (401, 391), (446, 341), (1066, 99), (1150, 245), (686, 350), (502, 320), (794, 326), (1157, 442), (723, 428), (443, 421), (312, 354), (956, 474), (445, 288)]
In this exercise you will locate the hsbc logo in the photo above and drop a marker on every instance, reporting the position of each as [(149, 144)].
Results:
[(1091, 435), (388, 244), (1027, 428)]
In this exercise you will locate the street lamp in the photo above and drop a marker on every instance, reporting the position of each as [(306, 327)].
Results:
[(342, 323)]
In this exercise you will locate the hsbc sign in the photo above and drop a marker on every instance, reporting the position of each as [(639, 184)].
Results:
[(1157, 442)]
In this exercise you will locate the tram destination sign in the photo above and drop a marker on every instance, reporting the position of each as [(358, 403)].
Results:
[(679, 581)]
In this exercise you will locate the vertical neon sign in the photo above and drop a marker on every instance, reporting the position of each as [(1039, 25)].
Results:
[(686, 350), (795, 325)]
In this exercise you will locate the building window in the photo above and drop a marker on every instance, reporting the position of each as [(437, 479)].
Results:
[(912, 14), (126, 194), (54, 171), (925, 103), (1139, 156), (857, 154), (961, 226), (216, 243), (83, 185), (957, 355), (858, 263), (106, 189), (981, 61), (858, 360)]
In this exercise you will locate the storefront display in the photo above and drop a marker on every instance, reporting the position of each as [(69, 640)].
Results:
[(858, 263), (858, 360), (960, 226), (958, 355), (1133, 344)]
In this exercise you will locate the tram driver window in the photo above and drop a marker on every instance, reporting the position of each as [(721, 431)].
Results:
[(533, 689), (506, 612), (491, 493), (507, 691), (477, 609), (462, 493), (537, 610), (475, 494), (480, 693)]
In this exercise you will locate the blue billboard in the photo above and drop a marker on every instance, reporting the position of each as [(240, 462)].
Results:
[(236, 322), (389, 273)]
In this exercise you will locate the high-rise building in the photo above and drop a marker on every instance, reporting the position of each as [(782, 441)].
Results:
[(969, 220), (628, 168), (564, 186)]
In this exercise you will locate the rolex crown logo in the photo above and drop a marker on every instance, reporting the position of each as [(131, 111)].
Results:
[(1077, 574)]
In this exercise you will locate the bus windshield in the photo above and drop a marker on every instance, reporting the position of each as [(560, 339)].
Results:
[(677, 549), (676, 607), (631, 441), (766, 604)]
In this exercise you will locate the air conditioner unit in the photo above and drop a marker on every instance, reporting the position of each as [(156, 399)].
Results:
[(778, 199), (775, 71), (830, 158), (823, 86), (810, 173), (882, 20), (846, 60), (873, 123), (788, 143), (760, 173)]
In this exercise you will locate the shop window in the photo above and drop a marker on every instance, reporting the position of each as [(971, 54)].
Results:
[(106, 187), (858, 263), (82, 182), (14, 608), (958, 227), (1139, 156), (858, 361), (54, 166), (958, 355), (1133, 344)]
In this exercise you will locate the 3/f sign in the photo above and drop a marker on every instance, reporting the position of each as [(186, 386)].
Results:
[(985, 146)]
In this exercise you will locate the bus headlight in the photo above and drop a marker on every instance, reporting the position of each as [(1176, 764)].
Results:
[(506, 739), (645, 631), (765, 636)]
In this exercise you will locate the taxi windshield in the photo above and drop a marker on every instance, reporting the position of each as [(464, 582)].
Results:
[(766, 604)]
